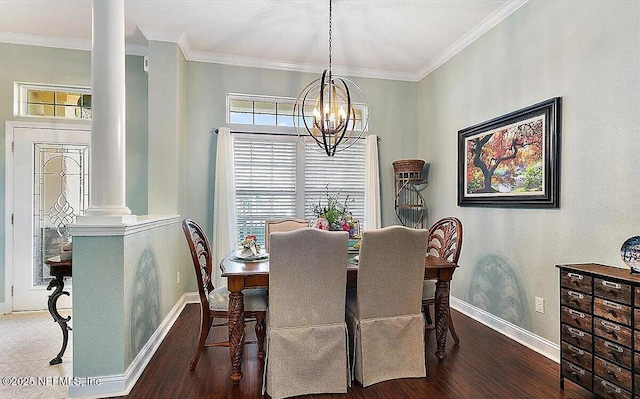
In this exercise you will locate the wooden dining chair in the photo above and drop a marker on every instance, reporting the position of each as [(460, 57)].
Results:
[(284, 224), (445, 241), (214, 302), (386, 325), (307, 334)]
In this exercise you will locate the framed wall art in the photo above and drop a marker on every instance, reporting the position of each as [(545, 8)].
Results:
[(513, 160)]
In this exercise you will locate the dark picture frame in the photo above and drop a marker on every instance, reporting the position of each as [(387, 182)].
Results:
[(512, 161)]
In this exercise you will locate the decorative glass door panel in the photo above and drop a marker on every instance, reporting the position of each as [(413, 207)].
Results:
[(60, 193)]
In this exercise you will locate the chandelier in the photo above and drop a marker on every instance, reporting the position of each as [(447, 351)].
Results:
[(335, 123)]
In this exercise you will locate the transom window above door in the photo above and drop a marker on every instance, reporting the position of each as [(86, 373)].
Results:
[(52, 101)]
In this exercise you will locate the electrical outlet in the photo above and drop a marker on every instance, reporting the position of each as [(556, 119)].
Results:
[(178, 278), (540, 305)]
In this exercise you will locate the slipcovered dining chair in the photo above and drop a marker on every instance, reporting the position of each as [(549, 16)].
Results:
[(386, 325), (445, 241), (214, 302), (285, 224), (306, 332)]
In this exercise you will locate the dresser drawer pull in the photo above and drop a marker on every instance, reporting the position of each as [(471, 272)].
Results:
[(576, 351), (575, 370), (610, 387), (576, 276), (609, 284), (612, 368), (575, 294), (576, 313), (612, 305), (614, 347), (612, 326), (575, 332)]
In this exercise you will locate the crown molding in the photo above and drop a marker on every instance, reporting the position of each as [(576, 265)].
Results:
[(250, 62), (190, 55), (136, 49), (45, 41), (492, 20), (159, 35), (63, 43), (293, 66)]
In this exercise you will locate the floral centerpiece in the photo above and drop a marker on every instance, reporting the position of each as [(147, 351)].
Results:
[(250, 246), (334, 215)]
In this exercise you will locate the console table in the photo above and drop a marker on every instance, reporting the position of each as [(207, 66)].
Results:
[(59, 269), (600, 329)]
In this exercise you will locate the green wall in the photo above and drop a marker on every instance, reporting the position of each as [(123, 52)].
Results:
[(588, 53), (99, 306), (33, 64), (392, 105), (124, 287)]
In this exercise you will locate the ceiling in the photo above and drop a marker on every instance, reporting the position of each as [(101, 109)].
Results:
[(392, 39)]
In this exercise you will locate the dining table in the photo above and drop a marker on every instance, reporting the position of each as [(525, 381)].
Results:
[(242, 274)]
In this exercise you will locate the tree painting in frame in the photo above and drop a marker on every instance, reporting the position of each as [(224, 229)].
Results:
[(512, 160)]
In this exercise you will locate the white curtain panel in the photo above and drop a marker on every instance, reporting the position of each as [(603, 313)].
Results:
[(372, 184), (224, 204)]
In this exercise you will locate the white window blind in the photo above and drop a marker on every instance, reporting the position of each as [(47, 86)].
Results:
[(265, 174), (276, 176), (344, 173)]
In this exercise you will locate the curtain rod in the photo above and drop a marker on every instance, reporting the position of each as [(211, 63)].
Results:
[(279, 134)]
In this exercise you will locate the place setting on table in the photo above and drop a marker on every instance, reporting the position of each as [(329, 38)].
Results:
[(250, 251)]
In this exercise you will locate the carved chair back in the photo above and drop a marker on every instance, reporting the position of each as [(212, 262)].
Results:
[(445, 239), (201, 257)]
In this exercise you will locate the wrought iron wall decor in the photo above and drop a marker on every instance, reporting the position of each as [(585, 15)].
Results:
[(409, 204)]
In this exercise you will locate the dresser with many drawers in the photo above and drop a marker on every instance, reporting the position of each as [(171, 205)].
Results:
[(600, 329)]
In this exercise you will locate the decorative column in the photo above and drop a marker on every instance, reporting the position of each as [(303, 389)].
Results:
[(108, 133)]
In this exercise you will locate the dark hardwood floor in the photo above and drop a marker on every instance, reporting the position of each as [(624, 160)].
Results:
[(485, 365)]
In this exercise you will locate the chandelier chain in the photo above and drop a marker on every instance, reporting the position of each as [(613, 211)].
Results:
[(330, 12)]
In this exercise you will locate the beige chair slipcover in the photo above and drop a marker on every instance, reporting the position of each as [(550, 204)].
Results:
[(386, 325), (306, 329), (285, 224)]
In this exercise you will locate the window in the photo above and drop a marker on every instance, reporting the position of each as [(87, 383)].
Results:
[(277, 176), (343, 172), (52, 101), (265, 174), (260, 111), (272, 111)]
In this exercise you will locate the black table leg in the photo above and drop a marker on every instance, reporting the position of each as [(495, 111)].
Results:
[(58, 283)]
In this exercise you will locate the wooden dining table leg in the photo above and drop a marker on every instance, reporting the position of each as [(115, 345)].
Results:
[(442, 317), (236, 333)]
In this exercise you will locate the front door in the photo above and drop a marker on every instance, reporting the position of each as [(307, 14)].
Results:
[(50, 188)]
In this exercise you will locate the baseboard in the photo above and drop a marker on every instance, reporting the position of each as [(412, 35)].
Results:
[(121, 384), (518, 334)]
